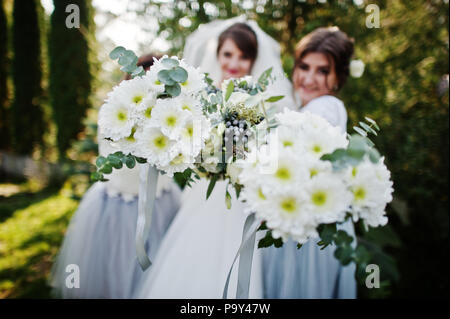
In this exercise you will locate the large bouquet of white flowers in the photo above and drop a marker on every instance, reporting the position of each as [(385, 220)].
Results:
[(156, 118)]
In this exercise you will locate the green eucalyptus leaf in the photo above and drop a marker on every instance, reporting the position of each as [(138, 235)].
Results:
[(140, 160), (130, 68), (117, 52), (178, 74), (173, 90), (164, 77), (101, 160), (130, 161), (360, 131), (169, 63), (327, 233), (344, 254), (106, 169), (374, 156), (127, 58), (368, 128), (139, 71), (368, 119), (96, 176)]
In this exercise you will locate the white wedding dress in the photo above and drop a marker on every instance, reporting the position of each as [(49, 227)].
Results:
[(196, 254)]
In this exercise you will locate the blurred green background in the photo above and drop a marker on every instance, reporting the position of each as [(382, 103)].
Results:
[(53, 81)]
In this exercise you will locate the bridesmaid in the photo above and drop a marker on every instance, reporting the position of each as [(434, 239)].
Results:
[(100, 239), (322, 61)]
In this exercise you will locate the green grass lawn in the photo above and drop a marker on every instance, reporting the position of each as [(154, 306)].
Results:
[(32, 226)]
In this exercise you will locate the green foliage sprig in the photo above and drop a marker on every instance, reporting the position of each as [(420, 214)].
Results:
[(116, 160), (128, 60)]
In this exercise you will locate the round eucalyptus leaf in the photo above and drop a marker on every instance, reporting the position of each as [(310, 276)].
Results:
[(169, 63), (174, 90), (164, 77), (117, 52), (100, 161), (107, 169), (178, 74)]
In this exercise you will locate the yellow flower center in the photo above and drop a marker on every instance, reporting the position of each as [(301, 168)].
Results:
[(184, 83), (148, 112), (283, 173), (190, 131), (160, 142), (186, 107), (287, 143), (121, 116), (319, 198), (317, 149), (313, 172), (177, 160), (157, 82), (137, 99), (171, 121), (354, 171), (360, 193), (261, 195), (289, 205)]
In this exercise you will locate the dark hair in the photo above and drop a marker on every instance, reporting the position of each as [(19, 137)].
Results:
[(146, 61), (332, 42), (244, 37)]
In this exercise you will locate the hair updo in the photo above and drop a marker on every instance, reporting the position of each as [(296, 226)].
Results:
[(244, 37), (332, 42)]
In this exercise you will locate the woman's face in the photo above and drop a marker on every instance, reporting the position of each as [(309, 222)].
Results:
[(233, 62), (314, 77)]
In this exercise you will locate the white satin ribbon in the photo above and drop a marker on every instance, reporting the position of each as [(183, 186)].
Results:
[(148, 180)]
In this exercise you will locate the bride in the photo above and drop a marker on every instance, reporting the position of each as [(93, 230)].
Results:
[(198, 249)]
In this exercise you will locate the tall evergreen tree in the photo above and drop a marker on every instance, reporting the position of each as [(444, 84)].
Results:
[(70, 76), (4, 134), (26, 112)]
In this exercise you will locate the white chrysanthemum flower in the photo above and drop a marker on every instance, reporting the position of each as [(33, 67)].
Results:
[(168, 115), (371, 189), (128, 144), (194, 134), (115, 120), (195, 81), (143, 113), (151, 76), (179, 163), (191, 104), (131, 92), (320, 142), (288, 172), (288, 216), (327, 198), (316, 167), (155, 146)]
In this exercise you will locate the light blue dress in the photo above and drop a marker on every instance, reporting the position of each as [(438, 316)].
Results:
[(100, 239), (309, 272)]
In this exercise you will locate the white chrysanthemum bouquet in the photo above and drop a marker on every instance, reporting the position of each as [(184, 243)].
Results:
[(305, 178), (156, 117)]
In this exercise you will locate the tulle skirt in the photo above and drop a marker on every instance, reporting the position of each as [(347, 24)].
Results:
[(198, 249), (307, 272), (100, 241)]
